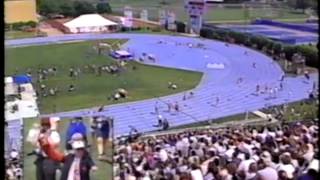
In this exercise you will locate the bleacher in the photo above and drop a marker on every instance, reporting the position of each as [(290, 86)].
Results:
[(14, 135)]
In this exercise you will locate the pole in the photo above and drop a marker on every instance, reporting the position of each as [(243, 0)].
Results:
[(247, 115)]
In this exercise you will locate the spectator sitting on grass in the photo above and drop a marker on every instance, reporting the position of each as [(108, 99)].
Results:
[(71, 88), (122, 92), (52, 92), (172, 86)]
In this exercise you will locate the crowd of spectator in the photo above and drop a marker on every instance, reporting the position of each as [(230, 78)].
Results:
[(278, 152), (12, 152), (14, 166)]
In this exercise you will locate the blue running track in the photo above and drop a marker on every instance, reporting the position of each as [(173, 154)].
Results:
[(222, 83)]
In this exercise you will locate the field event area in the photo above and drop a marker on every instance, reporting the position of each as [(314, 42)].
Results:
[(91, 89), (229, 79)]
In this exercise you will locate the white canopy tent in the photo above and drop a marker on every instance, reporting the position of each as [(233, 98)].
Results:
[(90, 23)]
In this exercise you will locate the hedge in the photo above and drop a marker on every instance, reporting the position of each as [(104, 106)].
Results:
[(309, 52), (18, 26), (181, 27)]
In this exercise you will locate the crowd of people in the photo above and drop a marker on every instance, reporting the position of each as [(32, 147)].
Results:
[(43, 74), (75, 162), (278, 152), (14, 166), (12, 153)]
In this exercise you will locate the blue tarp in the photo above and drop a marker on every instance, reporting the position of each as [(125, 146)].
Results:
[(22, 79)]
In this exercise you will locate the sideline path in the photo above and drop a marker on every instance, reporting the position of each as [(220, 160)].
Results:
[(216, 83)]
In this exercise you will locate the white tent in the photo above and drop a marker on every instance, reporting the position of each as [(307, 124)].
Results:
[(90, 23)]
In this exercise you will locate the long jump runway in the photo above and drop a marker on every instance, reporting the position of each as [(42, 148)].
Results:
[(235, 63)]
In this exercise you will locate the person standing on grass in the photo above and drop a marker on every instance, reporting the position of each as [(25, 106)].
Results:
[(71, 72), (102, 134), (48, 156), (76, 126)]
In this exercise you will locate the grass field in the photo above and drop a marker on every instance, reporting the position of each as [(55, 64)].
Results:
[(215, 13), (300, 110), (92, 90), (18, 34), (104, 169)]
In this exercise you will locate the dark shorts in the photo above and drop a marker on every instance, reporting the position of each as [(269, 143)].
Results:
[(102, 134)]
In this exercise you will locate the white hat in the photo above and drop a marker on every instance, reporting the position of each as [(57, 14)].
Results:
[(78, 144), (14, 154), (241, 156), (77, 136)]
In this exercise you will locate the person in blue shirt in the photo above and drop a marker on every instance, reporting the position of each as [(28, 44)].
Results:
[(76, 126)]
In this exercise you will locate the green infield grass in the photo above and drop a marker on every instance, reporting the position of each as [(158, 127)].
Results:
[(143, 82), (18, 34)]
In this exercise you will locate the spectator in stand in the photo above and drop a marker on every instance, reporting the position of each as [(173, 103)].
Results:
[(249, 153)]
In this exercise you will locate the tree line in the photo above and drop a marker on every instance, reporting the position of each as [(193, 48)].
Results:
[(71, 8)]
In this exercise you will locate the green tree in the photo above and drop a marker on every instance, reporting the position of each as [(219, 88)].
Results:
[(103, 7), (303, 4), (66, 9), (181, 27), (83, 7), (47, 7)]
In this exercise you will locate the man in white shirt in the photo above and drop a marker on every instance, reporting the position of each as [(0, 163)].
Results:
[(266, 172), (196, 173), (244, 165), (163, 155)]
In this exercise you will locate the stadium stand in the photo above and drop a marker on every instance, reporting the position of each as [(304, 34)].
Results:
[(247, 152)]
